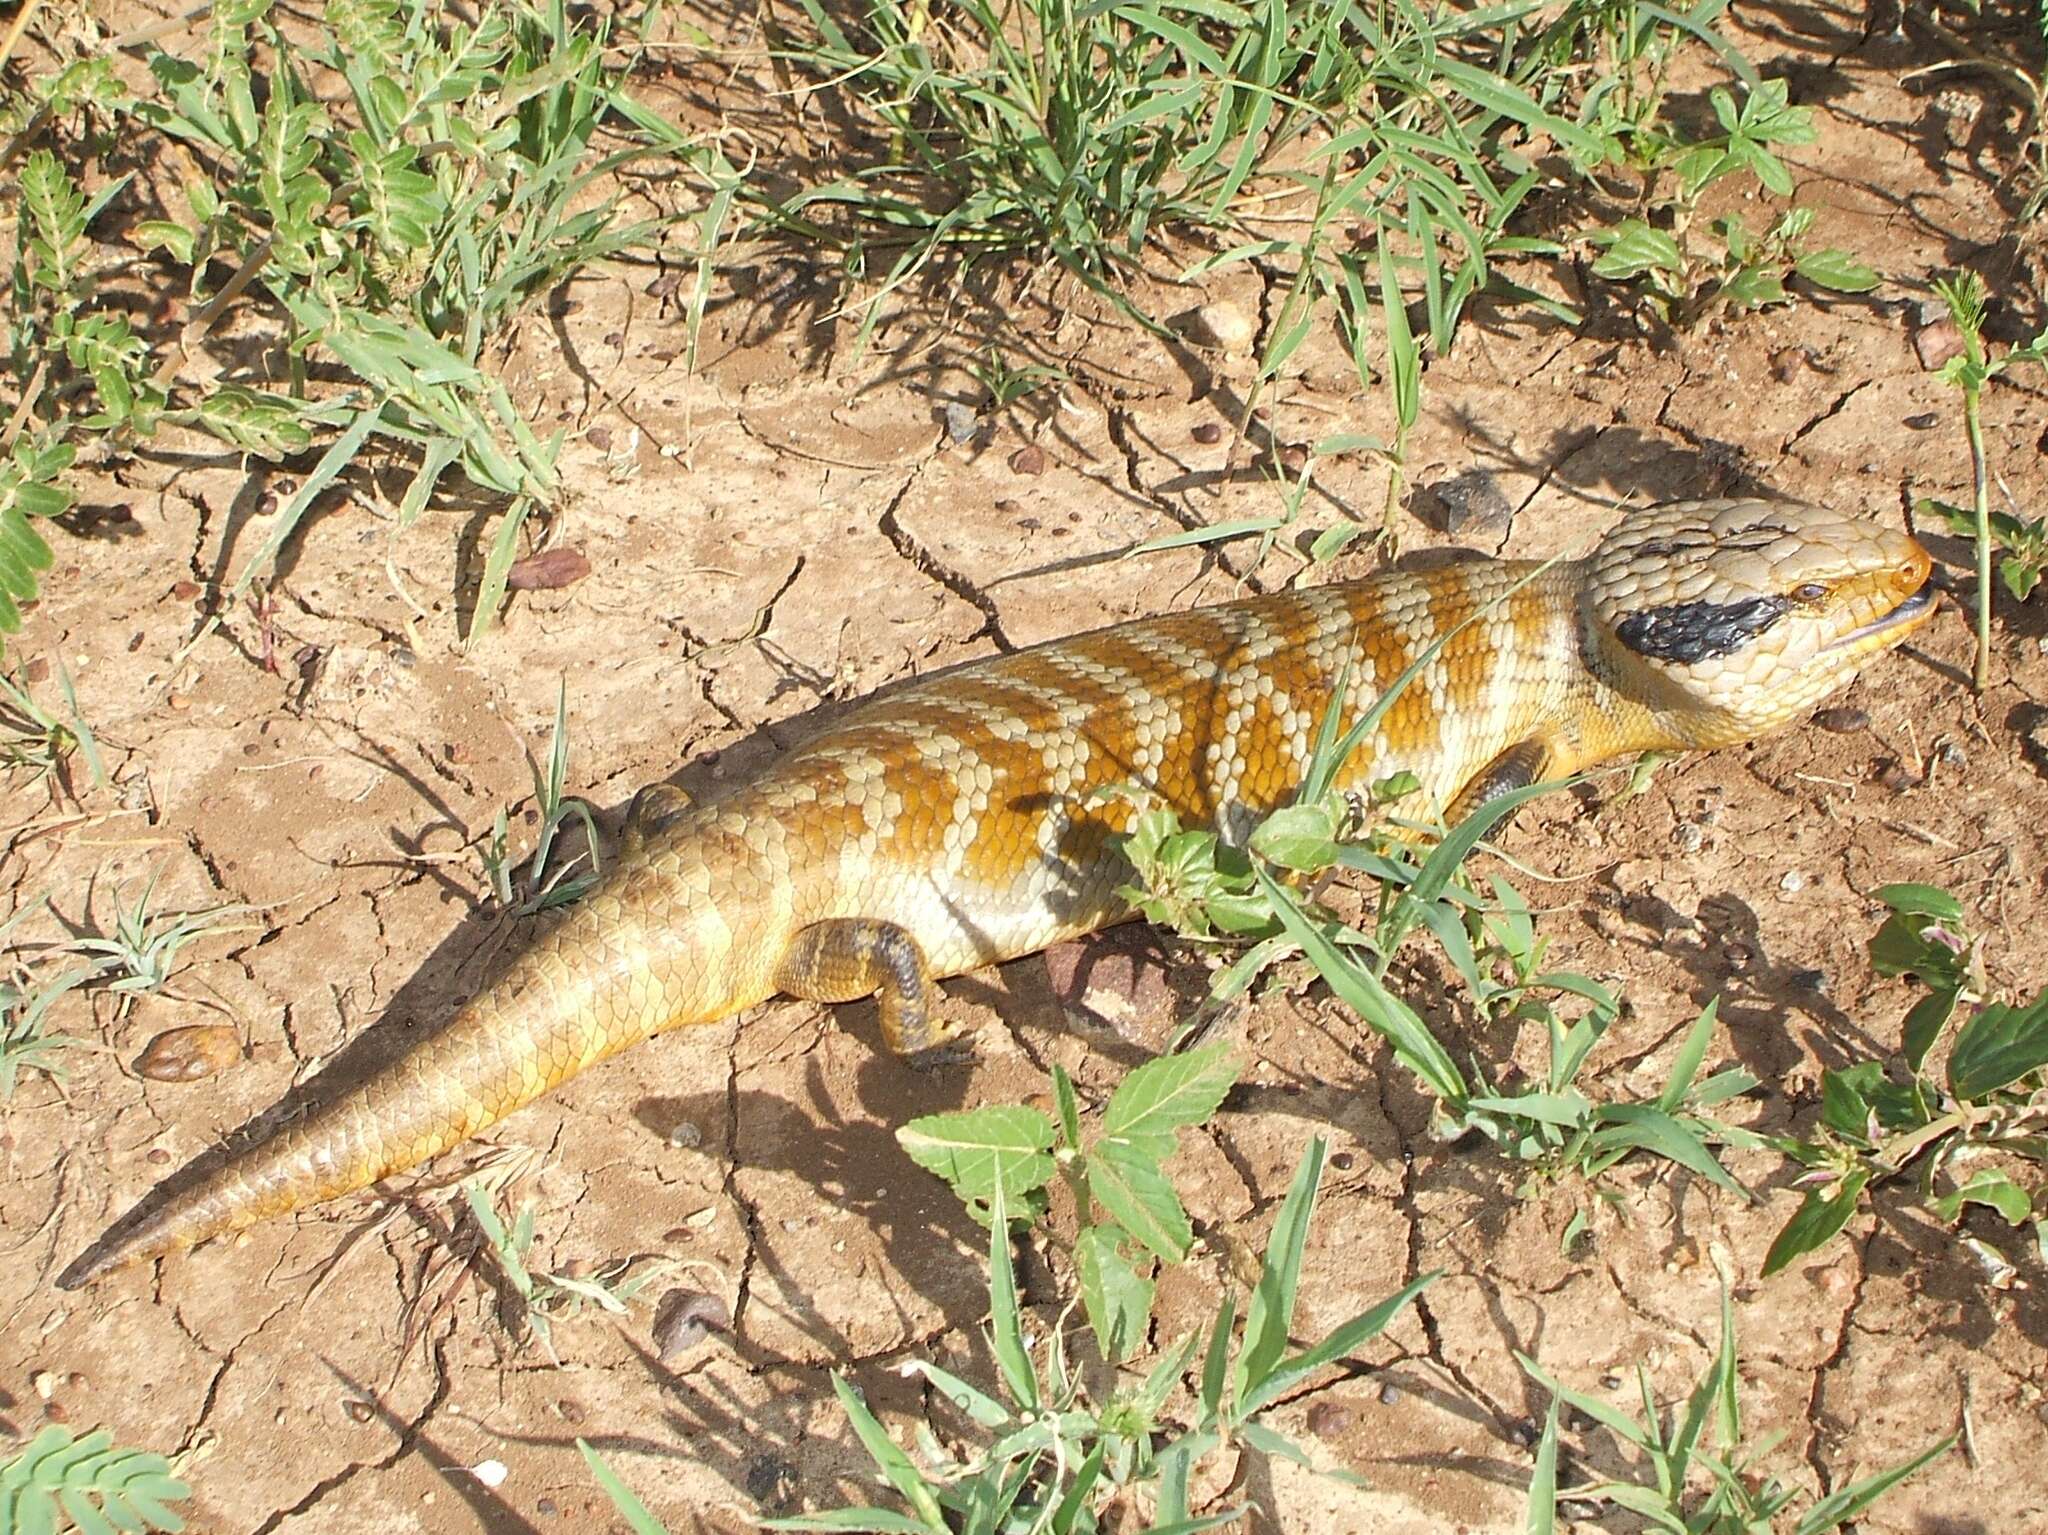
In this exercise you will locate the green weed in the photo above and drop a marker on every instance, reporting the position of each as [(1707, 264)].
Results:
[(390, 194), (545, 889), (1703, 1477), (1977, 1135), (1084, 135), (142, 951), (35, 741), (1129, 1213), (25, 999), (547, 1298), (1688, 282), (1969, 371), (89, 1484), (1053, 1457)]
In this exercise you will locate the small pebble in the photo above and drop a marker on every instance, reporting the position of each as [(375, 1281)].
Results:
[(157, 1156), (45, 1382), (771, 1481), (359, 1412), (1330, 1420), (1689, 836), (685, 1318), (1950, 755), (1389, 1394), (1926, 421), (185, 591), (572, 1412), (961, 422), (545, 1507), (1222, 324), (1207, 433), (600, 438), (1793, 882), (1472, 500), (490, 1472), (1842, 719), (685, 1135), (1343, 1161), (1029, 459)]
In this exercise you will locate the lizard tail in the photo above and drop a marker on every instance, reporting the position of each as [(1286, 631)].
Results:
[(596, 985)]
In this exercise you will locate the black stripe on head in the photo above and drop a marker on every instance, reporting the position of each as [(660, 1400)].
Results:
[(1686, 632)]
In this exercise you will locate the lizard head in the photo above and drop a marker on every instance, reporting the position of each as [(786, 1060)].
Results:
[(1726, 619)]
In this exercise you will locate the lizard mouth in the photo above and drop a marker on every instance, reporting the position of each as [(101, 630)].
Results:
[(1907, 615)]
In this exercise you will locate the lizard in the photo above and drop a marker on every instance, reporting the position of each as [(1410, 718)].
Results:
[(955, 822)]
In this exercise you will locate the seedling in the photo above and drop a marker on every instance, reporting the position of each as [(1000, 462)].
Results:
[(142, 951), (1969, 371), (1685, 282), (1056, 1459), (1703, 1479), (1977, 1135), (559, 888), (35, 741), (546, 1298), (1129, 1212), (25, 1043)]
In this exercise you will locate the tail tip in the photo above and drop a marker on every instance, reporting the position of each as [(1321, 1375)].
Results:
[(84, 1269)]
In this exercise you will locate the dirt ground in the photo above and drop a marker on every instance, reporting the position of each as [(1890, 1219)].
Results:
[(793, 526)]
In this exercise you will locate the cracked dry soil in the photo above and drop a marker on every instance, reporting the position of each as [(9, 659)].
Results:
[(789, 528)]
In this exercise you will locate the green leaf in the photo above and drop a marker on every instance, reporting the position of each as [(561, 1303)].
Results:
[(1300, 837), (1754, 288), (1651, 1129), (90, 1480), (1839, 1507), (1130, 1186), (1635, 248), (1270, 1315), (1172, 1091), (1006, 1319), (1836, 270), (630, 1508), (970, 1149), (1342, 1340), (1541, 1518), (173, 237), (1924, 1023), (1359, 988), (1117, 1297), (1986, 1187), (1922, 900), (1998, 1047), (1691, 1055), (889, 1458), (1817, 1220)]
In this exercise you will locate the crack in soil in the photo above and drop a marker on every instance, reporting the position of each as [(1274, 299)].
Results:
[(1841, 403), (928, 564), (750, 1217), (407, 1440), (1815, 1461), (1504, 1421)]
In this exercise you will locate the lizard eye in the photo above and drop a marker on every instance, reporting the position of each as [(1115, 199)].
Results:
[(1809, 592)]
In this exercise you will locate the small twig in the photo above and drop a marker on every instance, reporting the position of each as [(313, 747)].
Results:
[(29, 396), (197, 327)]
